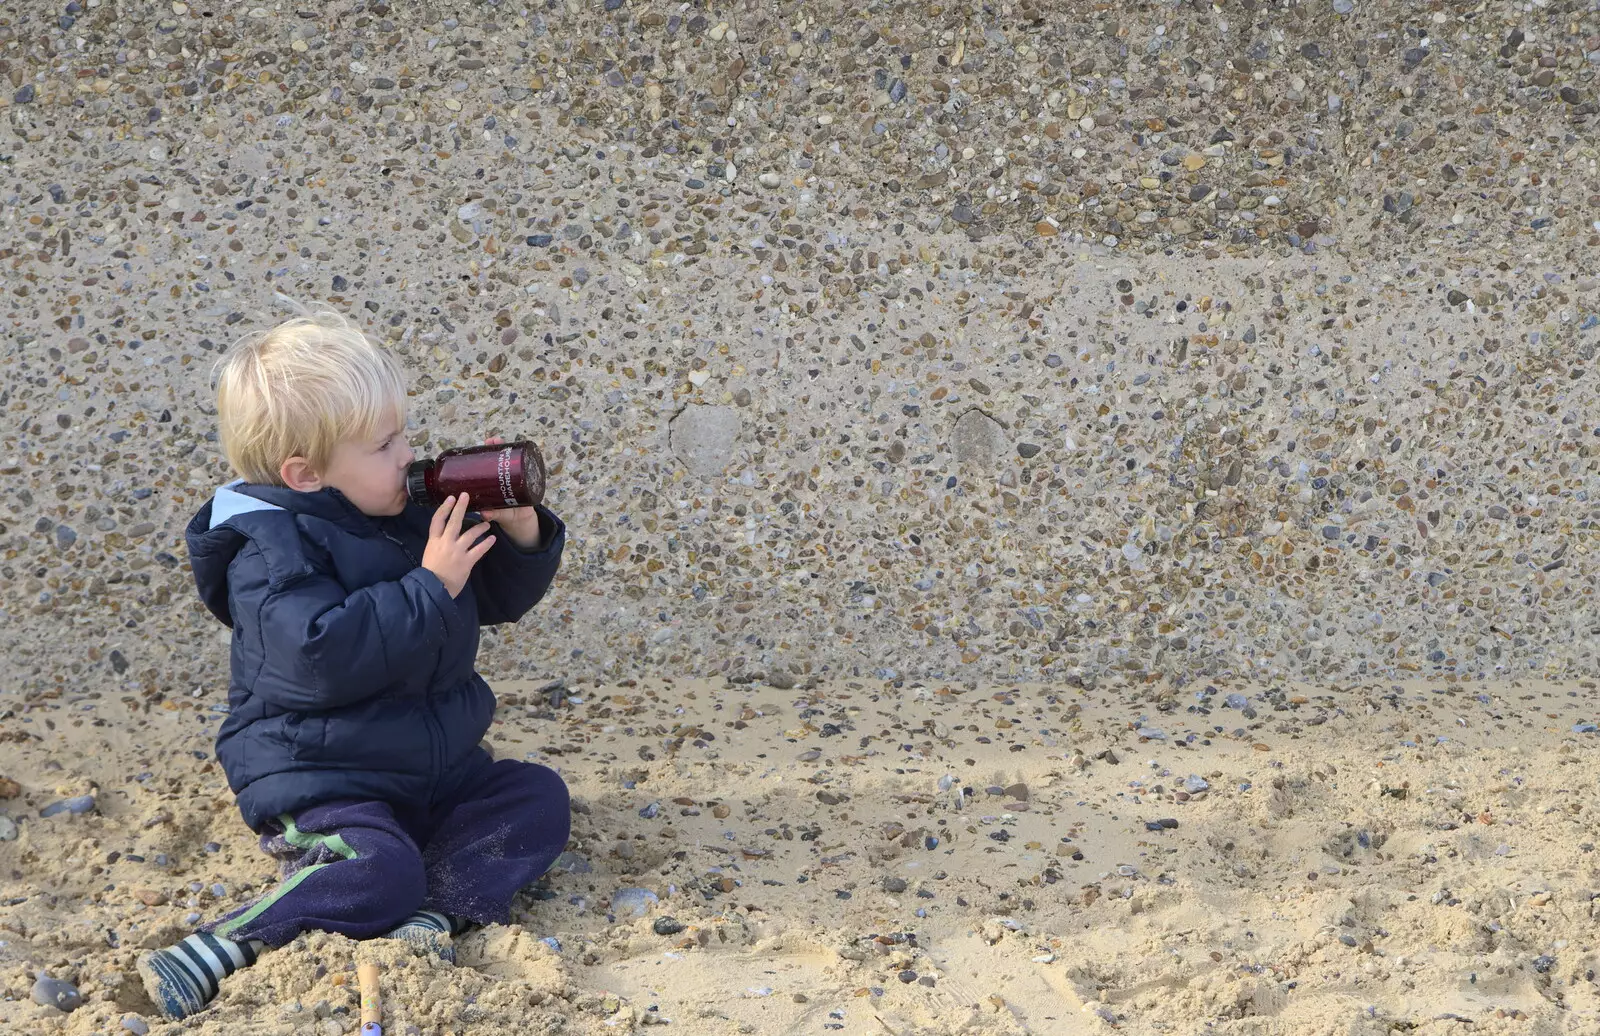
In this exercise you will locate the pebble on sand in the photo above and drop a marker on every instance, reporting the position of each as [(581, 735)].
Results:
[(54, 992), (77, 805), (633, 902)]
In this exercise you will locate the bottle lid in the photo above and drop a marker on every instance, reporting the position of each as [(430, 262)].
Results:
[(417, 482), (533, 472)]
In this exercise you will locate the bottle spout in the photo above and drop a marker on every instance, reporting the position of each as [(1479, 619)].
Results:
[(417, 483)]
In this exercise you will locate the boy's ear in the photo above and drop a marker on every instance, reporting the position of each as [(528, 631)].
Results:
[(298, 475)]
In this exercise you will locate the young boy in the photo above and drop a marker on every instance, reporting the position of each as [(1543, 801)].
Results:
[(352, 743)]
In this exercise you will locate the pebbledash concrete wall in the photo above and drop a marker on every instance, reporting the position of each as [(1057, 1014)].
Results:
[(1059, 343)]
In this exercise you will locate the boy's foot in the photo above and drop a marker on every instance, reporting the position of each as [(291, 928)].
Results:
[(184, 978), (428, 931)]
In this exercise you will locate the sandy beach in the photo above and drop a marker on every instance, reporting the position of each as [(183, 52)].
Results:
[(1081, 515), (867, 859)]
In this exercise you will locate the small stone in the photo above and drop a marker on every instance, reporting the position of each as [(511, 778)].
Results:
[(8, 829), (572, 863), (53, 992), (703, 437), (894, 885), (66, 536), (1343, 6), (24, 95), (780, 679), (76, 805), (978, 439), (9, 789), (1027, 450), (633, 902), (136, 1025), (667, 926)]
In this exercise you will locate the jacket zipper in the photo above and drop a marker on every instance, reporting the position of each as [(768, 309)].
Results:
[(398, 543), (435, 729)]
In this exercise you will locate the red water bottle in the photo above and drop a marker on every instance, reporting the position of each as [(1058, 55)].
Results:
[(493, 476)]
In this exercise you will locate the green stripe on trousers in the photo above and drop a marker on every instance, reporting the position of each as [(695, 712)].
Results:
[(300, 840)]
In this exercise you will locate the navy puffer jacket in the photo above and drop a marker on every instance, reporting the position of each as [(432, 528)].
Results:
[(352, 667)]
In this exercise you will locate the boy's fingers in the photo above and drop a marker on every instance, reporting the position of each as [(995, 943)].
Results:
[(480, 548), (436, 527), (456, 514), (475, 532)]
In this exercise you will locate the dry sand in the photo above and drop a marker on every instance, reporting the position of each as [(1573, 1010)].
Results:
[(943, 388), (867, 859)]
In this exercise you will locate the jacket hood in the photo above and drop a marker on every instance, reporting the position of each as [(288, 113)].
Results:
[(243, 512)]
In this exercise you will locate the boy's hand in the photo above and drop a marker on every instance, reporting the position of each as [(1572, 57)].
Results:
[(451, 552), (521, 524)]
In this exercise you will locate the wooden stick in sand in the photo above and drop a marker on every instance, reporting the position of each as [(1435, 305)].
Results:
[(371, 1004)]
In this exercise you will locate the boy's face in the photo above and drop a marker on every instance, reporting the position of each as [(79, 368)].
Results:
[(371, 473)]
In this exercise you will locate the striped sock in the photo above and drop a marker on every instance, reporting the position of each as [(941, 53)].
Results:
[(185, 977), (429, 931), (438, 922)]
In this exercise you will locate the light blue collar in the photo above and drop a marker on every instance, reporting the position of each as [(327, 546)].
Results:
[(229, 503)]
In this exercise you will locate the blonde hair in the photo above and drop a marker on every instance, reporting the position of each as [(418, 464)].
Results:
[(300, 389)]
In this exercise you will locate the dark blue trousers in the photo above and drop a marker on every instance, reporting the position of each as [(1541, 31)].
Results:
[(360, 868)]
